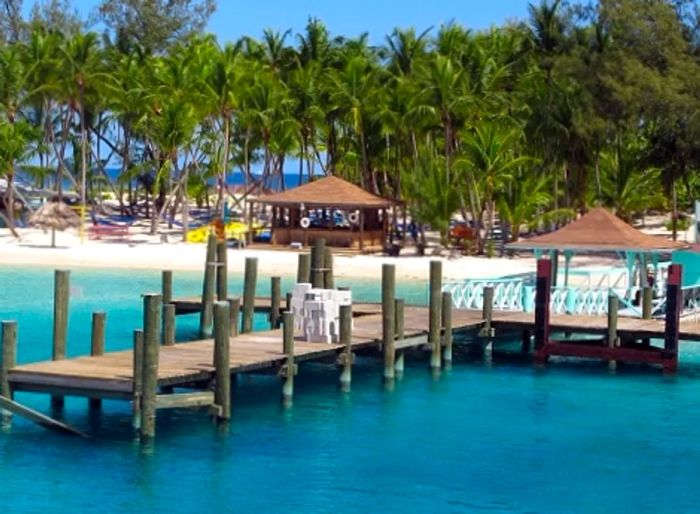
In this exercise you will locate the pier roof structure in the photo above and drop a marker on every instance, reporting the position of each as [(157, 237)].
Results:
[(306, 213), (328, 191), (596, 231)]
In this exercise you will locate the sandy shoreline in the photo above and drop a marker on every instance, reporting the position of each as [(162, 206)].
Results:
[(149, 252)]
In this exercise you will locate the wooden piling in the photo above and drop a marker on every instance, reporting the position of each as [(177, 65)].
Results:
[(487, 312), (61, 293), (151, 326), (328, 278), (137, 380), (288, 300), (289, 368), (434, 313), (206, 315), (97, 346), (345, 359), (208, 289), (647, 304), (447, 327), (221, 271), (318, 252), (222, 341), (304, 268), (8, 360), (250, 280), (613, 340), (235, 309), (275, 301), (168, 324), (388, 319), (167, 286), (399, 306), (525, 341), (647, 299)]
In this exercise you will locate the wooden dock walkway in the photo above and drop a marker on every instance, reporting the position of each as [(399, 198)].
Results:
[(148, 374), (111, 375)]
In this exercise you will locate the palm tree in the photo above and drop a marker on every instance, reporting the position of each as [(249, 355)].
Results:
[(84, 73), (490, 154)]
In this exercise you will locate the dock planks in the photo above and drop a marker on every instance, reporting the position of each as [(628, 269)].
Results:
[(111, 375)]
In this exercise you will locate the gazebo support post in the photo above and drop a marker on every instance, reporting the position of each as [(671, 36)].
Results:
[(568, 254), (554, 257), (674, 305), (544, 276)]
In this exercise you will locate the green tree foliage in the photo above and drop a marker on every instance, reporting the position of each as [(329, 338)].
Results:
[(155, 24), (582, 104)]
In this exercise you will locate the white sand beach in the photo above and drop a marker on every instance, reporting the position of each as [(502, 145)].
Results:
[(141, 250)]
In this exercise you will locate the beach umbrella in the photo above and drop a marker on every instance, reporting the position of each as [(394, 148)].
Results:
[(54, 216)]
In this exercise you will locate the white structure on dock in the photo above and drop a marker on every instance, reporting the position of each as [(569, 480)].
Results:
[(317, 313)]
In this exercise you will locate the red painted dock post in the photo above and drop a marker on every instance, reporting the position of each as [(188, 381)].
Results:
[(542, 297), (674, 305)]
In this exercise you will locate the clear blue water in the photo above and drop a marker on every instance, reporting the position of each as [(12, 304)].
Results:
[(493, 434)]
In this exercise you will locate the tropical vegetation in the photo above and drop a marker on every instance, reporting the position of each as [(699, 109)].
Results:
[(579, 105)]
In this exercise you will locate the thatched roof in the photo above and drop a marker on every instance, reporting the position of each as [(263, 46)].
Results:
[(598, 230), (327, 192), (55, 215)]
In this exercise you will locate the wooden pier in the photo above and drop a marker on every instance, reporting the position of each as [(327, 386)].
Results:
[(184, 364), (160, 374)]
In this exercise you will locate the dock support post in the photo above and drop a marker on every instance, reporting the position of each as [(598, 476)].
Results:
[(250, 280), (613, 339), (221, 271), (487, 311), (388, 319), (168, 324), (289, 369), (234, 312), (61, 293), (434, 313), (167, 286), (399, 330), (137, 380), (318, 252), (447, 328), (304, 268), (674, 305), (97, 346), (328, 278), (346, 358), (8, 360), (151, 325), (275, 301), (208, 289), (222, 342), (647, 301), (526, 340), (542, 297)]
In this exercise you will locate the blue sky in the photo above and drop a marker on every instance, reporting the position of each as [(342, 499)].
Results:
[(235, 18)]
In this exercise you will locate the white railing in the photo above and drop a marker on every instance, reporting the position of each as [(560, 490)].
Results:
[(507, 293), (514, 294)]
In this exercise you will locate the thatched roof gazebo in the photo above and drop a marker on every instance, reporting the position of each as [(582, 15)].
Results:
[(344, 214), (55, 216), (599, 230)]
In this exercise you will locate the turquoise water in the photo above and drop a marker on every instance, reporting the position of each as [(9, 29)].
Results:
[(494, 434)]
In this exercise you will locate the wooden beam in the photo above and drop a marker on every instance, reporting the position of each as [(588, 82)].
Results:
[(38, 418), (185, 400)]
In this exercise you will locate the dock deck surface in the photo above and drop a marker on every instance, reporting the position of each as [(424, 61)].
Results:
[(111, 375)]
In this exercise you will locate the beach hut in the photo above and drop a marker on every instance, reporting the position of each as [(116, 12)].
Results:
[(343, 214), (599, 231)]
